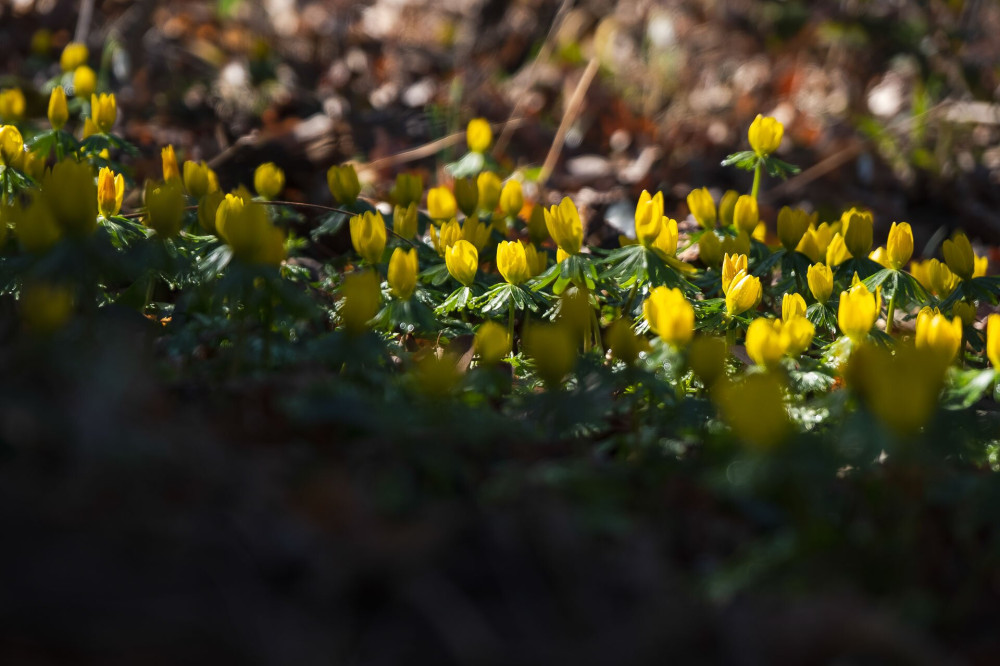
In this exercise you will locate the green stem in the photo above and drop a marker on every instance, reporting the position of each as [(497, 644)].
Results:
[(756, 178), (890, 313), (731, 335), (510, 325)]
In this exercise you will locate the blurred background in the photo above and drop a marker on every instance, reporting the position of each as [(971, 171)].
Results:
[(149, 519)]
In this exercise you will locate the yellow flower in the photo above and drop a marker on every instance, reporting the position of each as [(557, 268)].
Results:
[(744, 293), (623, 342), (564, 225), (104, 111), (858, 229), (707, 358), (792, 305), (71, 194), (441, 204), (537, 260), (959, 255), (820, 279), (666, 243), (268, 180), (710, 249), (244, 224), (740, 244), (935, 276), (90, 129), (754, 409), (368, 236), (837, 252), (746, 215), (477, 233), (449, 234), (58, 111), (512, 262), (402, 274), (765, 135), (344, 185), (478, 135), (466, 195), (11, 104), (208, 207), (936, 333), (798, 334), (538, 231), (436, 376), (858, 311), (731, 265), (164, 207), (74, 55), (965, 311), (11, 144), (110, 191), (491, 343), (670, 315), (815, 242), (409, 188), (993, 340), (900, 387), (512, 199), (169, 160), (553, 350), (765, 345), (727, 207), (462, 261), (899, 247), (702, 207), (404, 221), (45, 308), (361, 299), (792, 226), (84, 82), (35, 225), (199, 179), (489, 186), (648, 218), (31, 163), (982, 264)]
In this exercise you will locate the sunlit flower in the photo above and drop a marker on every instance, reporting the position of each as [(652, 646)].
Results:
[(670, 315), (343, 184), (402, 273), (702, 207), (268, 180), (564, 225), (58, 111), (478, 135), (512, 262), (462, 261), (820, 279), (765, 135), (368, 235), (110, 192)]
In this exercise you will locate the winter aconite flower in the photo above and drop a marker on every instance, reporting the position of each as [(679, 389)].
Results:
[(35, 225), (84, 82), (489, 186), (477, 233), (244, 224), (564, 225), (70, 192), (899, 247), (478, 135), (670, 315), (268, 180), (792, 305), (409, 188), (765, 135), (702, 207), (104, 111), (444, 238), (344, 185), (404, 221), (764, 343), (492, 343), (402, 273), (58, 111), (623, 342), (959, 256), (837, 252), (710, 249), (648, 218), (73, 55), (368, 236), (552, 347), (511, 198), (512, 262), (792, 226), (208, 206), (441, 204), (858, 311), (746, 215), (164, 207), (168, 158), (199, 179), (858, 229), (361, 298), (744, 293), (936, 333), (110, 192), (462, 261), (993, 340), (820, 279), (11, 144), (754, 409), (466, 195), (731, 265)]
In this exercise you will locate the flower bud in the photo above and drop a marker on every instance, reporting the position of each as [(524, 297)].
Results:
[(208, 208), (993, 340), (512, 262), (745, 214), (199, 179), (58, 111), (707, 358), (448, 235), (858, 230), (409, 188), (402, 274), (764, 344), (71, 194), (702, 207), (899, 247), (936, 333), (511, 198), (564, 225), (765, 135), (462, 261), (368, 236), (492, 343), (11, 104), (84, 82), (478, 135), (857, 313), (792, 305), (820, 279), (11, 144), (466, 195), (245, 226), (441, 204), (837, 252), (792, 226), (731, 265), (404, 221), (710, 249), (959, 256), (553, 350), (344, 185), (361, 298), (670, 315), (648, 218), (110, 192), (538, 230), (268, 180), (104, 111), (727, 207), (754, 409), (35, 226), (164, 207), (744, 293), (74, 55)]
